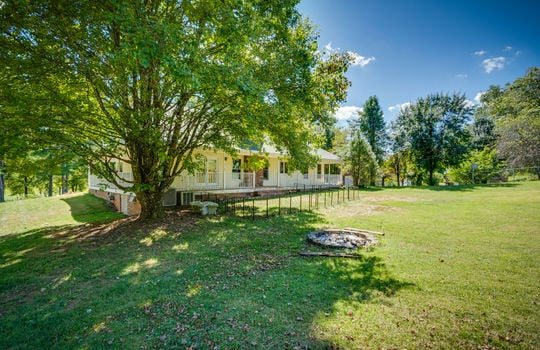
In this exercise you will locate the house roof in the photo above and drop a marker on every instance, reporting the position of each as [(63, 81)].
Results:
[(270, 149), (327, 155)]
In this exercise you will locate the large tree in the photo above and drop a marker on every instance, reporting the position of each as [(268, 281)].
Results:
[(400, 152), (361, 159), (483, 130), (516, 111), (435, 129), (371, 124), (151, 82)]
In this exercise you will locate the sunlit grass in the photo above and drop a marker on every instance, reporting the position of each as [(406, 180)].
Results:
[(457, 268), (18, 216)]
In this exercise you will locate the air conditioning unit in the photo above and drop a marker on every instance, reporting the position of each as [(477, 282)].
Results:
[(169, 198), (186, 198)]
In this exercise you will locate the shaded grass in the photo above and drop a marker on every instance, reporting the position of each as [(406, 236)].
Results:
[(456, 269)]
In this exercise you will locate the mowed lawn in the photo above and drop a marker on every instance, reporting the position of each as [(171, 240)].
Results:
[(458, 267)]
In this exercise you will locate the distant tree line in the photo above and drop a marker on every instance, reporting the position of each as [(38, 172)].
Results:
[(445, 137)]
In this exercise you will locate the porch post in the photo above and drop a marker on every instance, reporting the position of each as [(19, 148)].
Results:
[(224, 172), (278, 165)]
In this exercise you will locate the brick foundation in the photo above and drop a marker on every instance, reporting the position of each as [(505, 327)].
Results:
[(115, 199)]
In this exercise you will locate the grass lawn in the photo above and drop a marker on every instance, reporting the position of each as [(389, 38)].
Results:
[(457, 268), (22, 216)]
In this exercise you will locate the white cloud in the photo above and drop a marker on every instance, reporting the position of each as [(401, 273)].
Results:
[(462, 76), (328, 47), (357, 59), (360, 60), (347, 112), (399, 107), (480, 53), (491, 64), (478, 96), (469, 104), (508, 48)]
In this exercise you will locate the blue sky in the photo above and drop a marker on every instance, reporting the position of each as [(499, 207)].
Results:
[(411, 48)]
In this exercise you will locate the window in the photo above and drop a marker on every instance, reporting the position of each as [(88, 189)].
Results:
[(305, 172), (211, 168), (210, 175), (332, 169), (265, 173), (236, 168), (283, 168), (319, 171), (335, 169), (117, 166)]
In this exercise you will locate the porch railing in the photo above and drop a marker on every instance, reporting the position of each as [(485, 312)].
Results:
[(125, 179), (214, 181), (205, 181), (299, 180)]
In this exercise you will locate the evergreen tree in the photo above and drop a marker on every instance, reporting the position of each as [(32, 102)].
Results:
[(371, 124)]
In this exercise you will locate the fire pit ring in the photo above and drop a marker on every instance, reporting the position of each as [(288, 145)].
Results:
[(349, 238)]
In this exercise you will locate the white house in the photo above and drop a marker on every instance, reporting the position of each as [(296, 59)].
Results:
[(228, 176)]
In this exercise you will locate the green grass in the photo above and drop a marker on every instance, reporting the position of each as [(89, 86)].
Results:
[(19, 216), (457, 268)]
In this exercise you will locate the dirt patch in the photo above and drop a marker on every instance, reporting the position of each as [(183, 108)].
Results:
[(358, 209), (383, 198)]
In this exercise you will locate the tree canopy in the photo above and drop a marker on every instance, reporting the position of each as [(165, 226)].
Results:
[(362, 160), (371, 124), (515, 110), (435, 130), (151, 82)]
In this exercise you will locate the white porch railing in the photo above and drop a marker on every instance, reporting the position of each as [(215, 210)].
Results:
[(214, 181), (96, 182), (205, 181), (299, 180)]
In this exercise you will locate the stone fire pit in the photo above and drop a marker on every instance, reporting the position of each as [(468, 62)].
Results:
[(344, 238)]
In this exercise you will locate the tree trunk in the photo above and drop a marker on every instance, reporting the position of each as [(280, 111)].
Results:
[(431, 177), (50, 185), (65, 183), (397, 169), (2, 183), (26, 187), (151, 205)]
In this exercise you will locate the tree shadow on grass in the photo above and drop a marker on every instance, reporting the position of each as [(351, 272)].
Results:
[(177, 282)]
